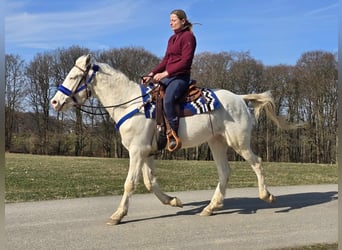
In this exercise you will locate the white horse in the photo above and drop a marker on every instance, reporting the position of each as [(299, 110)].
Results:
[(228, 126)]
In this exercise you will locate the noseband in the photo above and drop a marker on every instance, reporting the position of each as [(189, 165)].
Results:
[(80, 86)]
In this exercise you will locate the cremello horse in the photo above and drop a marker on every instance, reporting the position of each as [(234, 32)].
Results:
[(228, 126)]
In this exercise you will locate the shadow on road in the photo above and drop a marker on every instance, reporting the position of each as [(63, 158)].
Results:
[(285, 203)]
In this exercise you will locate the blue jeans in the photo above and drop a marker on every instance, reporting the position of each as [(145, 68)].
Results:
[(175, 88)]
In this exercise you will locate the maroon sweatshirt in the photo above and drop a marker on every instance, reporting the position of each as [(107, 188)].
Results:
[(179, 54)]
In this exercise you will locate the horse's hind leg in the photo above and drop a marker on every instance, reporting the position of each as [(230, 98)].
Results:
[(255, 162), (218, 146), (151, 184)]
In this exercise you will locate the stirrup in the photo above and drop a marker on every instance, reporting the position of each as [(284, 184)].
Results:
[(172, 138)]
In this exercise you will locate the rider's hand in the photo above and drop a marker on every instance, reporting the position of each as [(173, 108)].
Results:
[(160, 76), (145, 80)]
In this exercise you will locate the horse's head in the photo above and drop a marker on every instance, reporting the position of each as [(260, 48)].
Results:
[(74, 89)]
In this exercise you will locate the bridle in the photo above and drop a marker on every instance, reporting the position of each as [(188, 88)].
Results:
[(82, 84)]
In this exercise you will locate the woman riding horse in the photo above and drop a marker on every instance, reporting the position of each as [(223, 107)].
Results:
[(173, 72)]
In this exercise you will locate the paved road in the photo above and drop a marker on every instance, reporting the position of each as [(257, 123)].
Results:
[(302, 215)]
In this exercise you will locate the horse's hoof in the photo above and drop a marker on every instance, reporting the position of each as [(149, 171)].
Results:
[(218, 207), (175, 202), (112, 222), (206, 212), (272, 198), (269, 198)]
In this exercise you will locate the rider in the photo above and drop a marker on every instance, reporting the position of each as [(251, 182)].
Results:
[(173, 72)]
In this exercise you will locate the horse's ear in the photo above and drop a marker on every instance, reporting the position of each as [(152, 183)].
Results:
[(88, 58)]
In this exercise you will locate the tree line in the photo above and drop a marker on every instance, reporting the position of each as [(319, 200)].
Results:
[(304, 93)]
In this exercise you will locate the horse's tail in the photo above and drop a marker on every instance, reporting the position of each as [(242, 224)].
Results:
[(265, 101)]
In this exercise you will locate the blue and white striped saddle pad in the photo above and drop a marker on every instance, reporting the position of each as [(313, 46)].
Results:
[(207, 102)]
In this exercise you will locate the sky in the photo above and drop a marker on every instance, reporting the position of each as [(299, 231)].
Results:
[(272, 31)]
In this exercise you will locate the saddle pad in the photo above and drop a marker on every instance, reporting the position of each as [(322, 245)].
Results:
[(207, 102)]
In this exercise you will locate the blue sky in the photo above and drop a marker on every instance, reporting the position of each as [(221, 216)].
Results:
[(273, 31)]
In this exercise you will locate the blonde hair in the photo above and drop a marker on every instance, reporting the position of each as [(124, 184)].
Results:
[(182, 15)]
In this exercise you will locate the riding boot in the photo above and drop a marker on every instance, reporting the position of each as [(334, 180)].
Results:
[(174, 142)]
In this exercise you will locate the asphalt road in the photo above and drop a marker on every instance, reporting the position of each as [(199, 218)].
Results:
[(302, 215)]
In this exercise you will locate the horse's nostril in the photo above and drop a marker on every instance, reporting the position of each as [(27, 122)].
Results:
[(54, 102)]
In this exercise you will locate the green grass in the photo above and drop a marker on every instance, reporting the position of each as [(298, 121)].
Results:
[(35, 177)]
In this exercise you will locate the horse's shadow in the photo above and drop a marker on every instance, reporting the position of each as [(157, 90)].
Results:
[(283, 204)]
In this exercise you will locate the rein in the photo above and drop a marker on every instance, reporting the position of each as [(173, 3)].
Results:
[(124, 103), (117, 105), (79, 107), (111, 106)]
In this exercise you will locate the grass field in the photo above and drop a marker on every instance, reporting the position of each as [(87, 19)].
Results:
[(36, 177)]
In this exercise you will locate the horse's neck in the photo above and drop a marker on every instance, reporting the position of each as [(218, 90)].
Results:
[(114, 88)]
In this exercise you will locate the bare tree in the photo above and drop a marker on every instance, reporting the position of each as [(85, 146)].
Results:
[(133, 62), (278, 79), (14, 94), (39, 73), (246, 74), (211, 70), (316, 78)]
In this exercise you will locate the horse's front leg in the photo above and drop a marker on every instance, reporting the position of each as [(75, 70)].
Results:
[(132, 180), (151, 184)]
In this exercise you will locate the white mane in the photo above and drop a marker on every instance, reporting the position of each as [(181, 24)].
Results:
[(117, 75)]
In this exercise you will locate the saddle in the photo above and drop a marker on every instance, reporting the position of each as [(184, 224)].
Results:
[(192, 94), (164, 131)]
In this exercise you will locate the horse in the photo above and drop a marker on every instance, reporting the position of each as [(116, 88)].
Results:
[(227, 127)]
